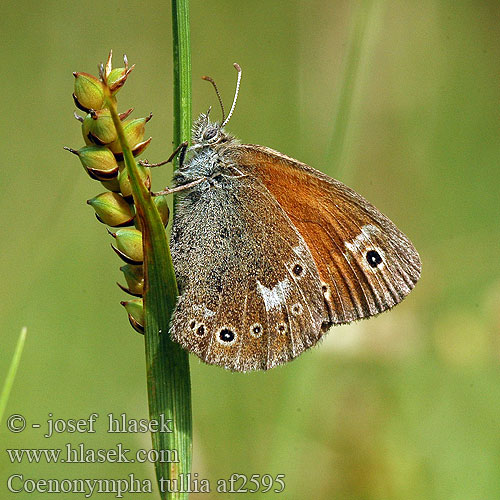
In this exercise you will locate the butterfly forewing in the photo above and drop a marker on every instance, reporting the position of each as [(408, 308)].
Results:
[(365, 263)]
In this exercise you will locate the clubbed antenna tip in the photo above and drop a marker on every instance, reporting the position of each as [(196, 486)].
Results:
[(238, 69)]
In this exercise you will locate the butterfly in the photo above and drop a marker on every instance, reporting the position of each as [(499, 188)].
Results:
[(269, 253)]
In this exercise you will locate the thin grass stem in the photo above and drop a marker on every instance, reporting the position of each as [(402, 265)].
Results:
[(11, 374)]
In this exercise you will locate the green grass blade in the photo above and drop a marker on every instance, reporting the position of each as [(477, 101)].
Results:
[(167, 364), (11, 374), (364, 22)]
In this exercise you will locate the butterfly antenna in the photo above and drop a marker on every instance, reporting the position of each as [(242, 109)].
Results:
[(208, 79), (238, 69)]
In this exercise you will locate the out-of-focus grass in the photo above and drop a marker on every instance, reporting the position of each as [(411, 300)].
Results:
[(11, 374), (405, 405)]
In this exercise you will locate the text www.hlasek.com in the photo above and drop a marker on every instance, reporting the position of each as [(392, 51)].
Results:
[(81, 454)]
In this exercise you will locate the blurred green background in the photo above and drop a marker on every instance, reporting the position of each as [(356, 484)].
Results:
[(403, 406)]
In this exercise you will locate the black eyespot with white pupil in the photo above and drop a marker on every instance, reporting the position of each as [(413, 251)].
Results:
[(297, 269), (226, 335), (256, 330), (373, 258)]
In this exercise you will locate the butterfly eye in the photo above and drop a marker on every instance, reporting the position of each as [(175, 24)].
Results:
[(209, 134), (373, 258)]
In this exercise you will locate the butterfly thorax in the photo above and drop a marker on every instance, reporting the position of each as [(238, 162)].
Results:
[(207, 157)]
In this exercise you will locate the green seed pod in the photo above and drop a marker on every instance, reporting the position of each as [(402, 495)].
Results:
[(137, 150), (99, 162), (117, 78), (86, 123), (135, 310), (112, 185), (112, 209), (77, 153), (135, 279), (124, 183), (129, 243), (115, 75), (89, 92), (134, 133), (161, 203), (101, 129), (126, 187)]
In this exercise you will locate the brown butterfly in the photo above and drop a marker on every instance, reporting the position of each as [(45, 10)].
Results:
[(269, 253)]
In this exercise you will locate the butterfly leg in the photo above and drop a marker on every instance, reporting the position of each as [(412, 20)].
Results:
[(181, 149), (180, 188)]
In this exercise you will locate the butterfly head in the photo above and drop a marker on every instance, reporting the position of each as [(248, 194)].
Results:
[(206, 132)]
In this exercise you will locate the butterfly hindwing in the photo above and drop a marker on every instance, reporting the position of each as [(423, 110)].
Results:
[(250, 293)]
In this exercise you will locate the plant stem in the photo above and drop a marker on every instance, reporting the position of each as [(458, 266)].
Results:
[(182, 71), (167, 364)]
